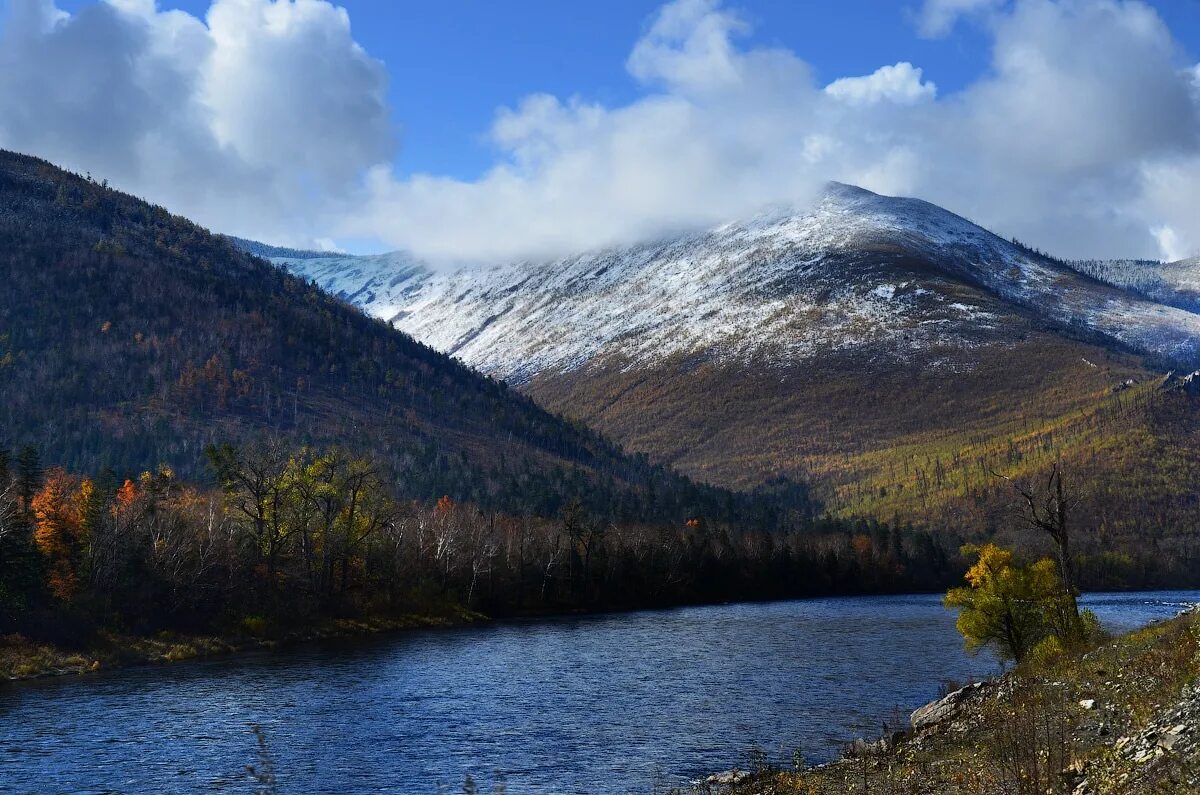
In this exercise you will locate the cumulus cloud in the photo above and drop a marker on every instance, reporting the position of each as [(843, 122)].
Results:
[(720, 131), (1072, 141), (900, 83), (266, 119), (1062, 143), (253, 121)]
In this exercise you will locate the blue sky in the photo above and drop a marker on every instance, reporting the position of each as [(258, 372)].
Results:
[(474, 57), (465, 129)]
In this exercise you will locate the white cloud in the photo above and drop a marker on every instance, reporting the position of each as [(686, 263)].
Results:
[(266, 119), (900, 83), (1061, 143), (254, 121), (1169, 199), (724, 132), (1169, 243), (1085, 98), (689, 48), (938, 17)]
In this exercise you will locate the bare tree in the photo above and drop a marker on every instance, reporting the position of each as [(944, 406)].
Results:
[(1048, 510), (484, 546), (9, 511), (554, 553)]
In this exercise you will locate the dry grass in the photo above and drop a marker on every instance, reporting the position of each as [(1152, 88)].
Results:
[(21, 658)]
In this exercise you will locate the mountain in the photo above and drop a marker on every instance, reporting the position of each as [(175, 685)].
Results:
[(893, 352), (131, 338), (860, 271)]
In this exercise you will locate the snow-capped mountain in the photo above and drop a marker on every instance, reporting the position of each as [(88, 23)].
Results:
[(886, 277), (890, 353)]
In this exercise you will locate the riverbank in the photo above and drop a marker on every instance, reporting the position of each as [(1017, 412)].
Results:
[(1122, 719), (22, 658)]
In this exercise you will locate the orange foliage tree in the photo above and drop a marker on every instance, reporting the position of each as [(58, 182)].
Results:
[(60, 530)]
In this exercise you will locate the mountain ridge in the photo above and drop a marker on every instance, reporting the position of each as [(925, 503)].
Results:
[(739, 276)]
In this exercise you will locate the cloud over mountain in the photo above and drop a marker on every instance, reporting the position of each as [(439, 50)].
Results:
[(266, 119)]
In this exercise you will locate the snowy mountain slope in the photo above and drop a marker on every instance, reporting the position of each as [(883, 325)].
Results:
[(1174, 283), (886, 277)]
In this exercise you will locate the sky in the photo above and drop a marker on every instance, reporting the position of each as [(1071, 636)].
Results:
[(479, 131)]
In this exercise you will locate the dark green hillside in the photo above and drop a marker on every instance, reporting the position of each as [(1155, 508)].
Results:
[(130, 338)]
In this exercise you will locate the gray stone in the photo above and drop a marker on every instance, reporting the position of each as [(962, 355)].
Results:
[(730, 778), (945, 708)]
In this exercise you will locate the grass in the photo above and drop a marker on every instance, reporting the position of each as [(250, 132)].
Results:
[(22, 658)]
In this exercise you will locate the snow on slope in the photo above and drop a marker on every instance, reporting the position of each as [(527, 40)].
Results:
[(1174, 283), (857, 272)]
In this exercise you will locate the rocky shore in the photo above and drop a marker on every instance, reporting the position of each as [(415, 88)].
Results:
[(1122, 719)]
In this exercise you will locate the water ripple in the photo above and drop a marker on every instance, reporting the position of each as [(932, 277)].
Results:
[(597, 704)]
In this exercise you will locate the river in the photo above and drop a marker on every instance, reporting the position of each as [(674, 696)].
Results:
[(595, 704)]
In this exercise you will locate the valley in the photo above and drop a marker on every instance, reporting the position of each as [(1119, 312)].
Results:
[(672, 397)]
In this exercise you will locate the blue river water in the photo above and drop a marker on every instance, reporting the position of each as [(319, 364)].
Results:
[(614, 703)]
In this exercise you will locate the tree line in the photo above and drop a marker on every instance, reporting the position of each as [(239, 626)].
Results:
[(290, 534)]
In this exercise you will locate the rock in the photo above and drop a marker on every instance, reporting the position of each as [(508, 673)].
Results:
[(1168, 741), (866, 748), (945, 708), (1088, 703), (730, 778)]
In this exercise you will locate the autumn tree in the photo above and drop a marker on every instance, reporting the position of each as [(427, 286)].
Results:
[(59, 509), (1005, 606)]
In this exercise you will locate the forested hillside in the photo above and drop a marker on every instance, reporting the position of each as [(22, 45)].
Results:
[(131, 338)]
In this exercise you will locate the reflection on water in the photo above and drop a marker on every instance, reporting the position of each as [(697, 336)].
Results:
[(584, 704)]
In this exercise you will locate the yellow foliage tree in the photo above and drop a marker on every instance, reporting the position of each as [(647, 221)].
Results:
[(1005, 606)]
